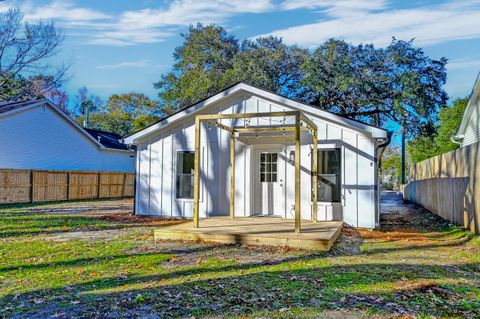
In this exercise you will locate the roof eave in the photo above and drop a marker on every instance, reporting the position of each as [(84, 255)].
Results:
[(374, 131)]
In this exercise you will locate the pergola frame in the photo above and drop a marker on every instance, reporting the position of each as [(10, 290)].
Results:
[(300, 119)]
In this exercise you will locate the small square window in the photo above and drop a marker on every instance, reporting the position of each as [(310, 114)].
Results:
[(268, 167)]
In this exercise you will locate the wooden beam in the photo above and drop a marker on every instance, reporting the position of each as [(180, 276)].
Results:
[(253, 129), (307, 121), (246, 115), (297, 175), (196, 176), (314, 175), (232, 175)]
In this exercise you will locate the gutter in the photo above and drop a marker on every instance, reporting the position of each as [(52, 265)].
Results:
[(457, 139), (383, 146)]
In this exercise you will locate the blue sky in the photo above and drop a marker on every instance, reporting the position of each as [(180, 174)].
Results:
[(121, 46)]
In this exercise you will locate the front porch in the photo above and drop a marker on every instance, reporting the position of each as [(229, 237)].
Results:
[(261, 230)]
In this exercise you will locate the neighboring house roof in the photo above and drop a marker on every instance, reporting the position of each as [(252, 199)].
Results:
[(103, 140), (240, 86), (10, 106), (472, 103), (107, 139)]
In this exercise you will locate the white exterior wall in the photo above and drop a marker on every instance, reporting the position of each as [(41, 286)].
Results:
[(156, 168), (472, 129), (39, 138)]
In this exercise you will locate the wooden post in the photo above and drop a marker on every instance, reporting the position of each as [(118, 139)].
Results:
[(297, 174), (123, 185), (98, 185), (68, 185), (196, 176), (314, 175), (232, 175), (31, 186)]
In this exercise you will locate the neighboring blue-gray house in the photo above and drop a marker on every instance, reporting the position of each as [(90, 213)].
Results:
[(38, 135)]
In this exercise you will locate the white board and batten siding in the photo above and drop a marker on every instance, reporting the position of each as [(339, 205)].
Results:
[(468, 131), (38, 138), (472, 129), (157, 153)]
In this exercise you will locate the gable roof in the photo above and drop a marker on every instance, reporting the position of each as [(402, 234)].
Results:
[(11, 106), (472, 102), (107, 139), (102, 139), (240, 86)]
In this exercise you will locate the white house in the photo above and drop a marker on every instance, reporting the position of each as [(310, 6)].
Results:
[(38, 135), (264, 161), (468, 131)]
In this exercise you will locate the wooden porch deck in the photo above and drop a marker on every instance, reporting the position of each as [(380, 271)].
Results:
[(269, 231)]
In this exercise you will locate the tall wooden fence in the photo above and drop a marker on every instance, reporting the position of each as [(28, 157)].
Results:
[(23, 186), (449, 186)]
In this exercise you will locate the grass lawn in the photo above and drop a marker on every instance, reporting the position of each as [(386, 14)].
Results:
[(91, 259)]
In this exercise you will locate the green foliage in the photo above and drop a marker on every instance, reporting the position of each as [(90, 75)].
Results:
[(210, 59), (126, 113), (391, 169), (203, 66), (399, 83), (426, 146)]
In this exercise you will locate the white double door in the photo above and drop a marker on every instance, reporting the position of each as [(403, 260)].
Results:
[(269, 181)]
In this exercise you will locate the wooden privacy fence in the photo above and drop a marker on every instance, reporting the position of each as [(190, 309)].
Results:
[(22, 186), (449, 186)]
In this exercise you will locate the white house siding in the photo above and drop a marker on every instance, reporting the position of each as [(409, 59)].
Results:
[(157, 165), (472, 129), (39, 138)]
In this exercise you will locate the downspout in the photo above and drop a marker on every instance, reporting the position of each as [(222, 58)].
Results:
[(134, 148), (457, 139), (378, 160)]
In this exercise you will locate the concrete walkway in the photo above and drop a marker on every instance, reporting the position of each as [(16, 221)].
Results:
[(392, 202)]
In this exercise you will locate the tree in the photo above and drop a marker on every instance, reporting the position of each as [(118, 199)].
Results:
[(429, 145), (203, 66), (85, 105), (391, 167), (399, 83), (126, 113), (210, 59), (25, 52), (270, 64)]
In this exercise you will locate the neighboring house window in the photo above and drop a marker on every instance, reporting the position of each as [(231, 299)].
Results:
[(329, 178), (268, 167), (185, 173)]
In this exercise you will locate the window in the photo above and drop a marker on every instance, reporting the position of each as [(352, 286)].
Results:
[(268, 167), (329, 177), (185, 173)]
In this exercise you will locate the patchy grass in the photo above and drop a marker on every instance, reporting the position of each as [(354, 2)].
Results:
[(53, 261)]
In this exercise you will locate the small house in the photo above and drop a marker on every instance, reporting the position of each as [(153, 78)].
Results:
[(38, 135), (248, 152)]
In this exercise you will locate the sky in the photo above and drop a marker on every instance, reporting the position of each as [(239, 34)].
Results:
[(121, 46)]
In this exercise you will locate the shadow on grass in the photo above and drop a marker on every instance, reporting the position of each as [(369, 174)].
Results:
[(29, 224), (253, 287)]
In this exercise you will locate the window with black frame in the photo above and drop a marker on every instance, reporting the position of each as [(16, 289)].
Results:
[(185, 174), (329, 175)]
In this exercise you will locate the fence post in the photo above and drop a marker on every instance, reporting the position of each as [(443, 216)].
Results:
[(123, 185), (98, 185), (31, 186), (68, 185)]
